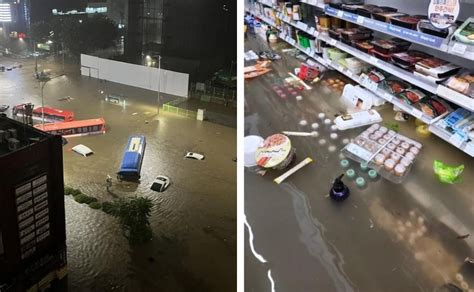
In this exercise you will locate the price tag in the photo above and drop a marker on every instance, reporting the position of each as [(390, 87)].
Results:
[(374, 60), (308, 51), (456, 140), (360, 20), (311, 30), (302, 26), (340, 13), (388, 96), (369, 84), (459, 49), (416, 113), (469, 148), (332, 42)]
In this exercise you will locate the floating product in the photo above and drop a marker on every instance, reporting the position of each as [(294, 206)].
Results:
[(276, 152)]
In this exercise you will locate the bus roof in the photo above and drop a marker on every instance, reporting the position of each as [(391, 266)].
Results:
[(54, 111), (69, 125)]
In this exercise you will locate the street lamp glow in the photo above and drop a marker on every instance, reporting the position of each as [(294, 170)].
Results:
[(49, 42), (148, 57)]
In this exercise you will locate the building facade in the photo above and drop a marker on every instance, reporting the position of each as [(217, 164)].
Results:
[(32, 216)]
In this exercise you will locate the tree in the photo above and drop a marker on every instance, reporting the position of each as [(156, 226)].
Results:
[(133, 215), (93, 33)]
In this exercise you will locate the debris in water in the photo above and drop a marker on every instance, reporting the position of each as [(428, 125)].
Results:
[(146, 122), (303, 123), (463, 236), (299, 97), (469, 260), (134, 114), (315, 125), (371, 223), (262, 172)]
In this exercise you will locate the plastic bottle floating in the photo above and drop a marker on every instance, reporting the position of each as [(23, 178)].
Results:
[(339, 191)]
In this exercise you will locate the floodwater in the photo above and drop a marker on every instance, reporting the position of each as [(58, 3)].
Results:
[(384, 237), (193, 222)]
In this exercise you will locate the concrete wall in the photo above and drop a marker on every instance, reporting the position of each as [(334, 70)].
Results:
[(173, 83)]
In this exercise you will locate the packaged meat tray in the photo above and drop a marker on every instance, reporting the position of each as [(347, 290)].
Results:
[(369, 10), (437, 68), (376, 76), (391, 154), (409, 22), (395, 86), (351, 8), (364, 46), (409, 58), (462, 83), (433, 107), (384, 57), (387, 16), (356, 34), (412, 96), (335, 33), (390, 46), (425, 26)]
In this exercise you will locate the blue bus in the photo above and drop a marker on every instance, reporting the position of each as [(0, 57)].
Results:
[(131, 165)]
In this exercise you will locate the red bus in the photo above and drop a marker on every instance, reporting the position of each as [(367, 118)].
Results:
[(51, 115), (75, 128)]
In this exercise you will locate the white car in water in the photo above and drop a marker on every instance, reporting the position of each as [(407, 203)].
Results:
[(82, 150), (160, 184), (193, 155)]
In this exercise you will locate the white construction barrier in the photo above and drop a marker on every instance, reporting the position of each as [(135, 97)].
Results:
[(173, 83)]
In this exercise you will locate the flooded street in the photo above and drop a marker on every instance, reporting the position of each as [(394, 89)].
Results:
[(193, 222), (385, 237)]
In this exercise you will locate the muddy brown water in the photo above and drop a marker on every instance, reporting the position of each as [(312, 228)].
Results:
[(385, 237), (193, 222)]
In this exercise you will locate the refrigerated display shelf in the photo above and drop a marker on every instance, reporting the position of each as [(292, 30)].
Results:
[(466, 148), (316, 3), (441, 44)]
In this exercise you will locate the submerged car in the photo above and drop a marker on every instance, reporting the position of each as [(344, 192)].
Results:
[(193, 155), (82, 150), (160, 184)]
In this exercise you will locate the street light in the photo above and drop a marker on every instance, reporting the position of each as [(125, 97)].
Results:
[(43, 78)]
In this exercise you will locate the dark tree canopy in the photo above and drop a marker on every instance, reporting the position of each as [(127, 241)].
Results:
[(91, 34)]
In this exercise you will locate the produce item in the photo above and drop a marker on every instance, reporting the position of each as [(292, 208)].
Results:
[(462, 83), (447, 174), (436, 67)]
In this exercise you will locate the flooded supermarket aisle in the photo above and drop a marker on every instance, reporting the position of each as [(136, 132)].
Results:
[(410, 236)]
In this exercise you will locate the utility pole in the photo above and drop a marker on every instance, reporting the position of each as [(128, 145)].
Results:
[(62, 47), (159, 83), (43, 78), (36, 58)]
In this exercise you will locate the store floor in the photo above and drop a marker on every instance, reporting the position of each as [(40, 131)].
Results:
[(385, 237)]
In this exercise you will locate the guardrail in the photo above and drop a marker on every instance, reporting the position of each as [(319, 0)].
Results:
[(172, 108)]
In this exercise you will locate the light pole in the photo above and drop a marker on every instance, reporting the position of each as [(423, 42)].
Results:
[(62, 47), (36, 58), (159, 83), (43, 78)]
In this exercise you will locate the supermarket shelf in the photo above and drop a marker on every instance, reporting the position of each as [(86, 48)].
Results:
[(387, 28), (456, 97), (387, 67), (467, 148), (308, 51), (316, 3), (266, 2), (298, 24), (441, 44)]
